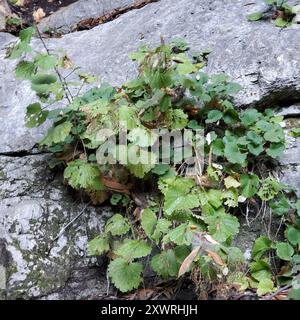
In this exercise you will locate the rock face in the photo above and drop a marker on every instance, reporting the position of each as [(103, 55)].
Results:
[(34, 208), (255, 54), (262, 58), (67, 19), (4, 13), (14, 96), (265, 60), (290, 162)]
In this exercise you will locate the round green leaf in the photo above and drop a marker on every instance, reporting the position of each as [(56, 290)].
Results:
[(284, 251)]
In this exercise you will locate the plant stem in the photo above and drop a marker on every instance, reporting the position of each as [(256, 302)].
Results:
[(61, 79)]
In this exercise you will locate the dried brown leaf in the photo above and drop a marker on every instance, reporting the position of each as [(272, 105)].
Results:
[(38, 15), (188, 261), (217, 259), (116, 186)]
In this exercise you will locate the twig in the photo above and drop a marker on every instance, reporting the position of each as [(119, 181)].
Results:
[(80, 88), (247, 215), (70, 223), (210, 156), (108, 284), (281, 222), (273, 295), (71, 72), (61, 79)]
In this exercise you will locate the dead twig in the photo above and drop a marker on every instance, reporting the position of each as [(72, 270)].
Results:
[(70, 223), (273, 295), (67, 91)]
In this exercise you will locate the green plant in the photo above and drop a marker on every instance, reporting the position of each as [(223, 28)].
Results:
[(13, 21), (280, 11), (187, 224), (295, 132), (287, 251)]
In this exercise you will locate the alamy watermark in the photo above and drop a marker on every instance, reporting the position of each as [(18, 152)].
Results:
[(151, 146)]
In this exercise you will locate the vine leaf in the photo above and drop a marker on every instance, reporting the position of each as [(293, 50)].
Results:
[(178, 197), (57, 134), (233, 154), (230, 182), (98, 246), (284, 251), (181, 235), (281, 23), (260, 270), (148, 221), (249, 117), (125, 275), (165, 264), (249, 185), (35, 116), (133, 249), (25, 70), (260, 247), (45, 61), (142, 137), (221, 225), (293, 235), (143, 163), (161, 228), (81, 174), (265, 286), (275, 134), (117, 225), (276, 149), (214, 116), (280, 205), (26, 34)]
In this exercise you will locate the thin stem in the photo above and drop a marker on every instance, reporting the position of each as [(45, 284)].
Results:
[(70, 223), (270, 297), (70, 73), (80, 88), (61, 79)]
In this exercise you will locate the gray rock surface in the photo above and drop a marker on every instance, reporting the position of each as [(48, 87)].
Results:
[(262, 58), (4, 13), (2, 20), (290, 111), (34, 207), (265, 60), (290, 162), (14, 97), (66, 19), (255, 54)]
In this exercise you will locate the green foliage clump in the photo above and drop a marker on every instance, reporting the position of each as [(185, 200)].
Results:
[(189, 225), (287, 251), (279, 10)]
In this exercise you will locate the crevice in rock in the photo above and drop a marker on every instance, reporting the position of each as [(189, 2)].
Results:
[(284, 97), (22, 153), (90, 23), (86, 24), (292, 116)]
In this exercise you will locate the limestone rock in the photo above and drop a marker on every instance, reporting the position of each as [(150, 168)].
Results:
[(255, 54), (4, 13), (34, 207), (262, 58), (290, 162), (14, 97), (67, 18)]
